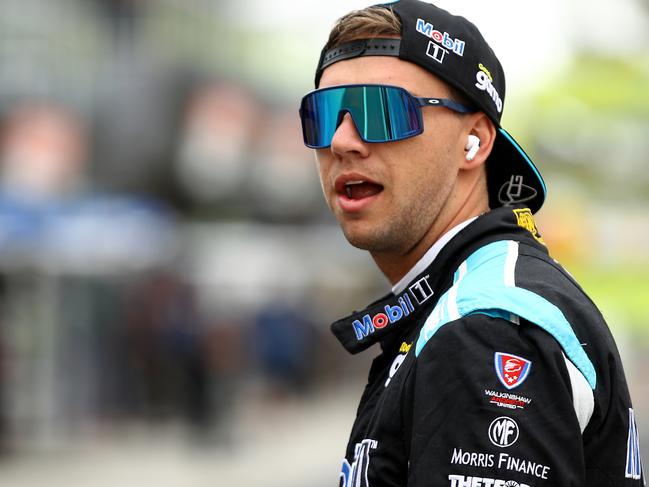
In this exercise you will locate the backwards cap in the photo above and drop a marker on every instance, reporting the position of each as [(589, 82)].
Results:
[(453, 49)]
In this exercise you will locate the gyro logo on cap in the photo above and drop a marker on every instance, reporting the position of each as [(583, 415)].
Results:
[(485, 83)]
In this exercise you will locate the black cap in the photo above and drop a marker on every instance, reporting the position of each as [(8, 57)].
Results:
[(453, 49)]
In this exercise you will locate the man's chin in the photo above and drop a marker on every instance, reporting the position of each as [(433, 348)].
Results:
[(365, 239)]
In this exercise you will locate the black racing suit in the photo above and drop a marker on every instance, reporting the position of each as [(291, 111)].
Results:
[(496, 371)]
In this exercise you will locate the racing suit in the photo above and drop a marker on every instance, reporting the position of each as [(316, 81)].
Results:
[(496, 371)]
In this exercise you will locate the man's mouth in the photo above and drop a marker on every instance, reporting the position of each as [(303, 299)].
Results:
[(360, 189)]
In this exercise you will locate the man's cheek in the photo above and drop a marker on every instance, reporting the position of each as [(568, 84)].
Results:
[(321, 176)]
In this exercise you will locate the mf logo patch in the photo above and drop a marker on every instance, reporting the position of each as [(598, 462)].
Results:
[(511, 370), (633, 461), (503, 432), (525, 219), (355, 475)]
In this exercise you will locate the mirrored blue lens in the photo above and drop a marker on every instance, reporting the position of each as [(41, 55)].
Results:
[(380, 113)]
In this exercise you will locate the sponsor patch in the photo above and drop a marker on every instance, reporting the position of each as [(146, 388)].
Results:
[(436, 52), (484, 82), (511, 369), (633, 460), (482, 67), (472, 459), (396, 363), (369, 324), (464, 481), (444, 39), (507, 399), (515, 191), (421, 290), (523, 466), (500, 461), (525, 219), (398, 360), (503, 432), (355, 474)]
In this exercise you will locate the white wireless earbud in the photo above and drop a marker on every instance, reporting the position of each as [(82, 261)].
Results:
[(472, 146)]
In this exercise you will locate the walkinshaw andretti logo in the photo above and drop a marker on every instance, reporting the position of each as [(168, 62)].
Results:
[(507, 399), (511, 369)]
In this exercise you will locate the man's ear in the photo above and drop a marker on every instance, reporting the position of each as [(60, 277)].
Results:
[(480, 126)]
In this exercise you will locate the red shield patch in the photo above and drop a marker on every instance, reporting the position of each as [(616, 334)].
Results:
[(511, 370)]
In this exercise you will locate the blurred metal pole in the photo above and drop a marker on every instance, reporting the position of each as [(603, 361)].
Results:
[(46, 389), (32, 322)]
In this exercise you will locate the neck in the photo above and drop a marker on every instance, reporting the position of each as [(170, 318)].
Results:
[(395, 265)]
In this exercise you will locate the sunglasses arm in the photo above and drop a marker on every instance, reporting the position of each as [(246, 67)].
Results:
[(446, 103)]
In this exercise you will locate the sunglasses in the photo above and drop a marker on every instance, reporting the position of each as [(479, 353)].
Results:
[(380, 113)]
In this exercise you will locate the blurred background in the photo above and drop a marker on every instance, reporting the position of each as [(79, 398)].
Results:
[(168, 269)]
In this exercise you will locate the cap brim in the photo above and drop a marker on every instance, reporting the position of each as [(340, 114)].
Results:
[(512, 177)]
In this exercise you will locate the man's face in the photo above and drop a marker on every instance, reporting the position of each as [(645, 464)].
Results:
[(406, 185)]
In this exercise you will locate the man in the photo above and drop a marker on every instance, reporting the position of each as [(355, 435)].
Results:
[(496, 369)]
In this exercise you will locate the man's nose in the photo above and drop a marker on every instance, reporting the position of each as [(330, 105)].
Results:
[(346, 139)]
